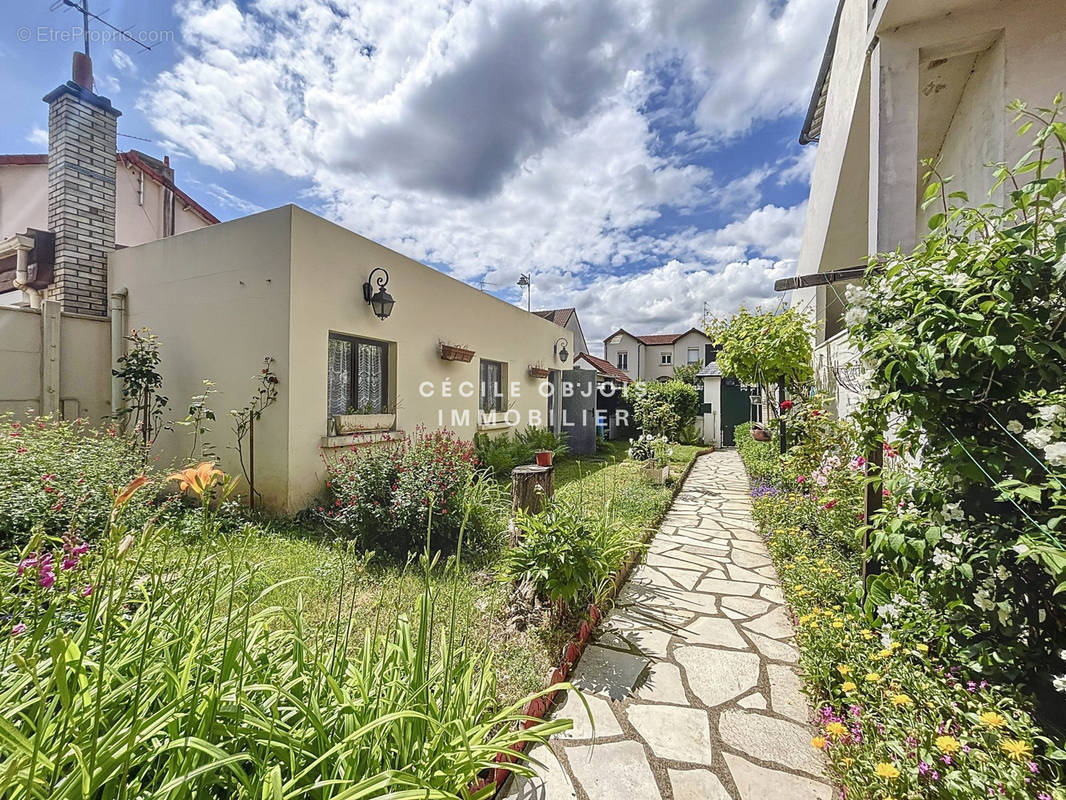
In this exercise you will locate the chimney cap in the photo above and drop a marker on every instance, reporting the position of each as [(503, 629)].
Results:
[(82, 71)]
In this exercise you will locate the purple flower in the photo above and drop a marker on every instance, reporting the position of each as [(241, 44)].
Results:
[(1033, 767), (88, 590), (923, 768), (18, 629), (946, 758), (47, 579), (69, 563)]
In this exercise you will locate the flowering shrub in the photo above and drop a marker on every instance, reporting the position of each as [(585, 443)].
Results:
[(663, 408), (388, 494), (959, 338), (57, 476), (650, 448)]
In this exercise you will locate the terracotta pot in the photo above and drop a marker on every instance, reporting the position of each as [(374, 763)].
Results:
[(544, 458), (363, 423), (761, 435), (538, 372)]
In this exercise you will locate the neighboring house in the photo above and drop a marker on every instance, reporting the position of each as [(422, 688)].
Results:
[(652, 357), (131, 196), (726, 404), (283, 284), (567, 318), (903, 81)]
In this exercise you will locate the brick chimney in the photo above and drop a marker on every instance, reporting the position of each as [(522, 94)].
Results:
[(82, 129)]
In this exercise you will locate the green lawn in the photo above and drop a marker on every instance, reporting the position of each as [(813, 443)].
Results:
[(331, 576)]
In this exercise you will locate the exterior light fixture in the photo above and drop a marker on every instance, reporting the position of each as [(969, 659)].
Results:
[(560, 350), (381, 302)]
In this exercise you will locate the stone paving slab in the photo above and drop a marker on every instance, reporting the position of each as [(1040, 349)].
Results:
[(691, 680)]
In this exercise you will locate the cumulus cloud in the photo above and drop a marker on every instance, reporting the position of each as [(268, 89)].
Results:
[(38, 136), (122, 62), (508, 136)]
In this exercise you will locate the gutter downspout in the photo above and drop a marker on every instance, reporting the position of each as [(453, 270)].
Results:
[(118, 344), (22, 278)]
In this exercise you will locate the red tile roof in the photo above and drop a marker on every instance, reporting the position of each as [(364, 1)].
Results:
[(655, 338), (606, 367), (560, 316), (132, 157)]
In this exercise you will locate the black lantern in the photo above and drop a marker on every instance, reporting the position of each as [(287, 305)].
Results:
[(381, 302), (560, 350)]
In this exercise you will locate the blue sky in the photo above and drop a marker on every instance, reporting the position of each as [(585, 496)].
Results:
[(638, 156)]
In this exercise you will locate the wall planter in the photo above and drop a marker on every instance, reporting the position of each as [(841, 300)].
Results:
[(536, 371), (760, 434), (363, 423), (544, 458), (453, 352)]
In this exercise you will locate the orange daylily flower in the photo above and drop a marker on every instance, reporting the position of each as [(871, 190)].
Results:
[(131, 489), (200, 478)]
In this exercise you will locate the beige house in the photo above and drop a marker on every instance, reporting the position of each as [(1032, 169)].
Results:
[(902, 81), (287, 284), (567, 318), (652, 357)]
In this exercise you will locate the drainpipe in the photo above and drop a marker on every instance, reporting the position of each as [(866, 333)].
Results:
[(22, 278), (118, 343)]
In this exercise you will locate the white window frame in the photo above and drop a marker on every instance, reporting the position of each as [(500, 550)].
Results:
[(622, 359), (693, 355), (666, 359)]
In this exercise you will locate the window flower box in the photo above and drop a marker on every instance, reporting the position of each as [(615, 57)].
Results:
[(363, 423), (658, 474), (453, 352), (537, 371)]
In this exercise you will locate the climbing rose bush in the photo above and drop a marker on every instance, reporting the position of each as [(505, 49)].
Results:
[(960, 337)]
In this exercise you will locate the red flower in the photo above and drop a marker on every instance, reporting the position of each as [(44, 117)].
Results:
[(786, 405)]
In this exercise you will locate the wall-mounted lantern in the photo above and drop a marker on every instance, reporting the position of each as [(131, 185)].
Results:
[(381, 302), (560, 350)]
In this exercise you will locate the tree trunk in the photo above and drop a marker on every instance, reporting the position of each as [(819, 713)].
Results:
[(531, 486)]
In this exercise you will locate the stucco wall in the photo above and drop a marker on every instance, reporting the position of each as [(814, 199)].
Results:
[(84, 386), (630, 345), (218, 298), (23, 198), (330, 264)]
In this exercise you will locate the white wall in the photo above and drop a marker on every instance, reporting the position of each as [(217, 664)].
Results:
[(23, 198), (631, 346)]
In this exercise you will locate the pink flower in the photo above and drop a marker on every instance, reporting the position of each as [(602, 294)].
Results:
[(801, 479), (47, 579), (69, 563), (830, 504), (88, 590), (18, 630), (29, 562)]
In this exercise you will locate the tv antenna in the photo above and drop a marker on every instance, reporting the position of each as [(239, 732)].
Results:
[(83, 7)]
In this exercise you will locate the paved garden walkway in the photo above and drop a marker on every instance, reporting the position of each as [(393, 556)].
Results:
[(692, 683)]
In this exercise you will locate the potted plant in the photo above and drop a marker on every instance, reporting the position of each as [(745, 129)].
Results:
[(455, 352), (538, 371), (364, 420), (759, 433), (544, 458), (655, 452)]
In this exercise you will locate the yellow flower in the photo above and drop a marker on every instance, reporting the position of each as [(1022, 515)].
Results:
[(923, 648), (818, 742), (836, 729), (838, 624), (894, 645), (901, 700), (886, 770), (848, 761), (1017, 749), (867, 635), (848, 686), (843, 669), (992, 719), (884, 653), (200, 478), (947, 744), (873, 677)]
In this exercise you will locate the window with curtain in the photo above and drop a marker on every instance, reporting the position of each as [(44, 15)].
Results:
[(358, 376), (491, 393)]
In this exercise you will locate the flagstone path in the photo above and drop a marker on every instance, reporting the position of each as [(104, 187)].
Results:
[(692, 682)]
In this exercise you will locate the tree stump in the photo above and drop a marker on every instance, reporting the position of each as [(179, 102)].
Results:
[(531, 486)]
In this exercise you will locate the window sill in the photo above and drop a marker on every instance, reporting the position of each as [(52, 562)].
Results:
[(358, 439), (494, 426)]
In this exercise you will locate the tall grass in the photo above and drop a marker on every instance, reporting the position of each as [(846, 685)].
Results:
[(185, 683)]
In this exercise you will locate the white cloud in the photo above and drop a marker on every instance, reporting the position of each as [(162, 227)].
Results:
[(38, 136), (122, 62), (503, 136)]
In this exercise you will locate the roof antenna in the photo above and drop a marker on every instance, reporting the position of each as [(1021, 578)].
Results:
[(83, 7)]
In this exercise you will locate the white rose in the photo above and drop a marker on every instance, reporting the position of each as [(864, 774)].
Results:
[(1039, 437), (1056, 454), (1015, 427)]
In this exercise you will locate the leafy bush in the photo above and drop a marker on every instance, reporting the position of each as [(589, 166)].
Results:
[(58, 475), (663, 408), (185, 682), (388, 495), (957, 336), (568, 557), (503, 452)]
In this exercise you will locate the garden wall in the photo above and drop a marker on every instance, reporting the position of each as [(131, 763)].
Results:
[(75, 378)]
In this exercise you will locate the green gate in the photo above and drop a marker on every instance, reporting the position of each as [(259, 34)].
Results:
[(736, 409)]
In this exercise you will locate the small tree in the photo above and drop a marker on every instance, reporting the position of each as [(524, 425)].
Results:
[(765, 349), (244, 420), (663, 408), (687, 373)]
